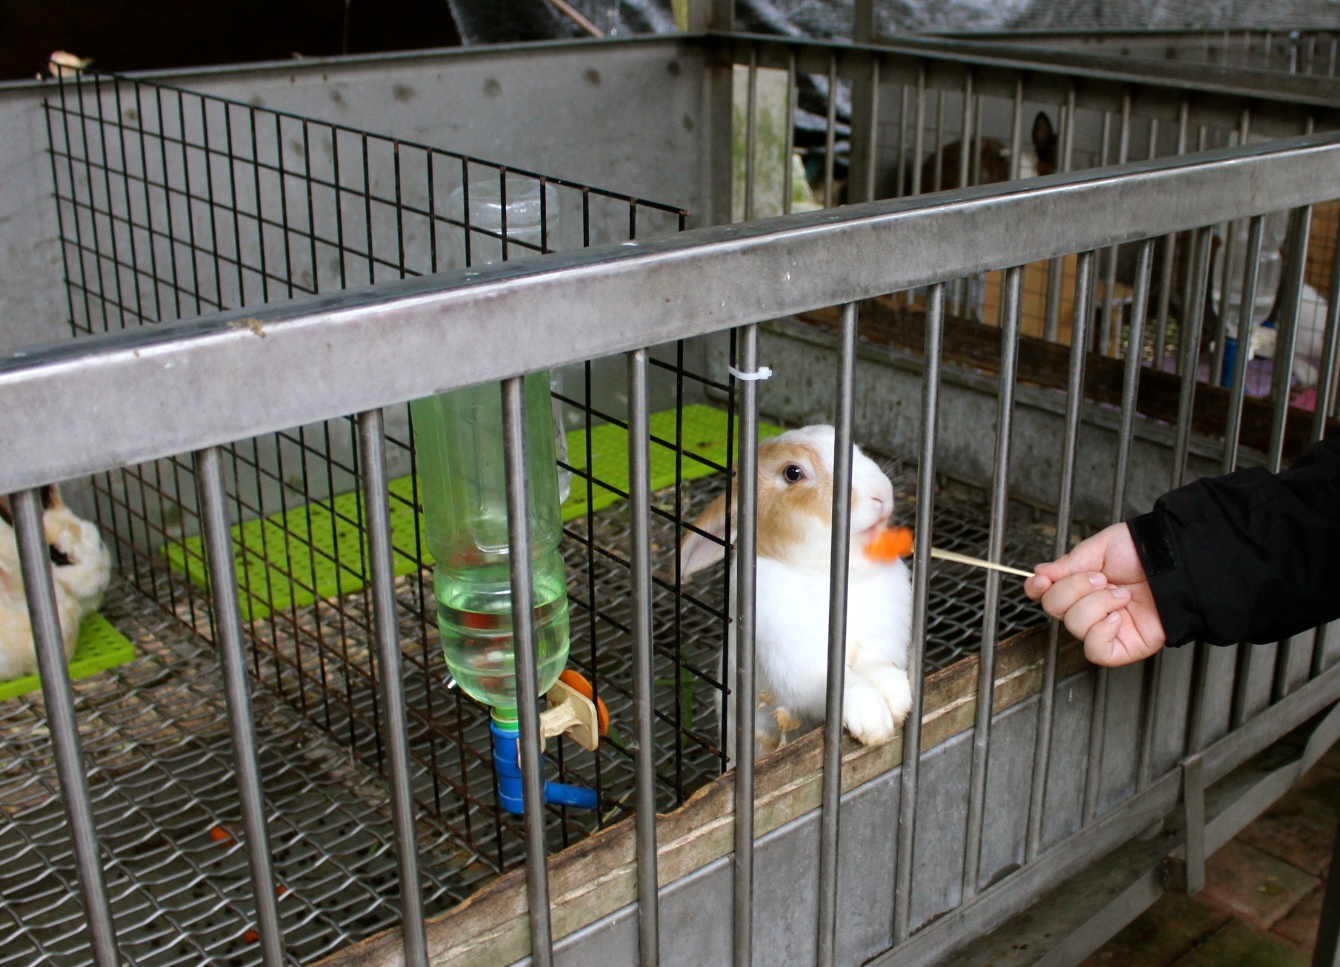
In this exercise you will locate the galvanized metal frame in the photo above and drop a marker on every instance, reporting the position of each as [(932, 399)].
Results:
[(706, 281)]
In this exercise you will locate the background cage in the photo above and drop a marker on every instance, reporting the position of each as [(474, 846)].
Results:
[(287, 202)]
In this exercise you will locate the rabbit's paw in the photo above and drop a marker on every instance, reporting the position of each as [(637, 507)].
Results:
[(893, 685), (866, 714)]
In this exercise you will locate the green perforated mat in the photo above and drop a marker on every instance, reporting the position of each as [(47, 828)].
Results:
[(100, 647), (291, 558)]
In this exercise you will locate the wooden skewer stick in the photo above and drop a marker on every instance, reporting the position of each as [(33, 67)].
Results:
[(977, 562)]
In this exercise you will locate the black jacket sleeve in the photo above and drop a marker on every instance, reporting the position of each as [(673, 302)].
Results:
[(1250, 556)]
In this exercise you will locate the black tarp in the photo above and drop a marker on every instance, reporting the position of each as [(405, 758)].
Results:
[(496, 21)]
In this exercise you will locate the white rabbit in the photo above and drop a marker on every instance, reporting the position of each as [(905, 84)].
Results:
[(80, 566), (795, 505)]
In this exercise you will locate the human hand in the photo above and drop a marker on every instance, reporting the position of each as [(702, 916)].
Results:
[(1101, 593)]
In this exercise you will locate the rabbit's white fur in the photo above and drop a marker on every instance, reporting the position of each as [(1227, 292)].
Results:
[(794, 549), (81, 571)]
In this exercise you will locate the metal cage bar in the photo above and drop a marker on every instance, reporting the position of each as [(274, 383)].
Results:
[(1079, 346), (837, 642), (1290, 296), (1129, 391), (372, 457), (1011, 296), (40, 594), (930, 410), (227, 619), (527, 684), (746, 526), (640, 574)]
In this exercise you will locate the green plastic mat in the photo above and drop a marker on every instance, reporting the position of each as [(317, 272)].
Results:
[(100, 647), (704, 436), (291, 558)]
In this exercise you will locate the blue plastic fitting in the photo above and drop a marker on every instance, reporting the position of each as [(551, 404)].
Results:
[(1230, 361), (507, 764)]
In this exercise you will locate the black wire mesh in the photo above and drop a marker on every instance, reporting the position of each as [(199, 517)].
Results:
[(173, 203)]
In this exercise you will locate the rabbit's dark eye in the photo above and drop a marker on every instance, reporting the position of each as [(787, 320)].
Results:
[(793, 473)]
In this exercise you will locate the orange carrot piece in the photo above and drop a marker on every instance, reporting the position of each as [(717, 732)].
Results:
[(890, 544)]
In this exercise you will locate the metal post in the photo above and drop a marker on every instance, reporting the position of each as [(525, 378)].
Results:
[(862, 170), (720, 109), (965, 139), (837, 643), (1246, 322), (1291, 288), (937, 182), (750, 133), (1131, 377), (1225, 281), (746, 565), (1084, 272), (527, 684), (921, 578), (711, 15), (35, 561), (1011, 294), (792, 89), (228, 629), (1169, 253), (1017, 129), (1056, 268), (1110, 335), (372, 458), (639, 499), (919, 135), (1189, 354), (1129, 391), (1193, 810), (830, 130), (1326, 953), (1255, 228), (863, 22)]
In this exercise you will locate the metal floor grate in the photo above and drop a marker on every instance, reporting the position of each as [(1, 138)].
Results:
[(156, 739), (156, 744)]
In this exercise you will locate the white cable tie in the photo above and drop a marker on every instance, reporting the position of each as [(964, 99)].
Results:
[(763, 372)]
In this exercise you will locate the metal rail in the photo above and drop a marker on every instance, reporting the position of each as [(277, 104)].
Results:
[(463, 328)]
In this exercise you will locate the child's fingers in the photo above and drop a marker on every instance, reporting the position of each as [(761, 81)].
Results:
[(1093, 609), (1101, 645), (1064, 594)]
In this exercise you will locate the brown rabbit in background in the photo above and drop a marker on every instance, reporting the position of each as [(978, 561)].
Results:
[(1039, 158)]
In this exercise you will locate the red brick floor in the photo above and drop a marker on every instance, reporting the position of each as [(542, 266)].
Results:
[(1262, 895)]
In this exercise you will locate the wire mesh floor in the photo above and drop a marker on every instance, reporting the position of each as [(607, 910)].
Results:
[(156, 742)]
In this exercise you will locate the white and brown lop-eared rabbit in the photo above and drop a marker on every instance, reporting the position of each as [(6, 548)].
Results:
[(795, 519), (80, 566)]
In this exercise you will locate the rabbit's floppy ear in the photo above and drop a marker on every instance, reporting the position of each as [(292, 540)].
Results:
[(697, 551)]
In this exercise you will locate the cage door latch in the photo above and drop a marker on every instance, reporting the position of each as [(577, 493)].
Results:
[(570, 712)]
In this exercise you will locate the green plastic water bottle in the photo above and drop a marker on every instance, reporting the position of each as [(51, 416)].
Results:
[(459, 440), (458, 437)]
